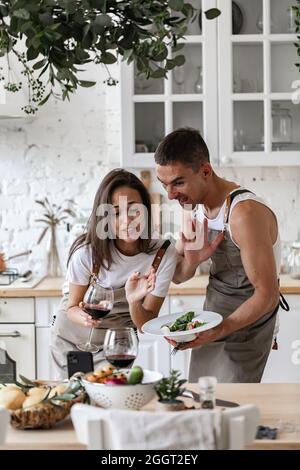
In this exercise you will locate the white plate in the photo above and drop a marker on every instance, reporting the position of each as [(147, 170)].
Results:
[(154, 327)]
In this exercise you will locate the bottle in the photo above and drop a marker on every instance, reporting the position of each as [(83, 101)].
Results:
[(198, 87), (207, 389), (282, 124)]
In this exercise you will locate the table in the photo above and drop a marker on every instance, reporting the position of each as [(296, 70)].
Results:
[(275, 401)]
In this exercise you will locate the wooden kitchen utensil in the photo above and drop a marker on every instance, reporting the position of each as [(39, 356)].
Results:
[(156, 201)]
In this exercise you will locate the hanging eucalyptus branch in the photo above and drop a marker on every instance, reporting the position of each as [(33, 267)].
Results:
[(296, 9), (63, 35)]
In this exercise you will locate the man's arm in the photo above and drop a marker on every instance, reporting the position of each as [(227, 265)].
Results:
[(251, 227)]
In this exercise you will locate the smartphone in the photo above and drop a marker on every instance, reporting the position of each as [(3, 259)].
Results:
[(79, 361)]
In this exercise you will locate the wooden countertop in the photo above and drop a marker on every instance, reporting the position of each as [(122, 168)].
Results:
[(276, 402), (51, 287)]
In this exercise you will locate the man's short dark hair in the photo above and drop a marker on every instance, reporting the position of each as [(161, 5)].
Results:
[(184, 145)]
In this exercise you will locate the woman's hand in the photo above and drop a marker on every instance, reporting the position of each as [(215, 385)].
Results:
[(139, 285), (198, 248), (86, 319)]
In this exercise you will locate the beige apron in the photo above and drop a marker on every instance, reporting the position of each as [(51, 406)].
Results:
[(241, 356), (65, 334)]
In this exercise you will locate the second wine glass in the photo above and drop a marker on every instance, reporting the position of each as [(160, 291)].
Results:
[(97, 302), (121, 347)]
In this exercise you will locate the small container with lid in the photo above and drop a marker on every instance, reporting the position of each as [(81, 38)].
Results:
[(207, 390)]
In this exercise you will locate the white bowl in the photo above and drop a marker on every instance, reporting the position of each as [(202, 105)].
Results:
[(131, 397)]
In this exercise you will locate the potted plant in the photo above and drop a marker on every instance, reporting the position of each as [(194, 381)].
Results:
[(168, 389), (53, 39)]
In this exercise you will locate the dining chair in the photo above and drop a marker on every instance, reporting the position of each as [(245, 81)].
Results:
[(4, 421), (103, 429)]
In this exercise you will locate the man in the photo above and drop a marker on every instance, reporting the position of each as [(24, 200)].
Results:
[(245, 255)]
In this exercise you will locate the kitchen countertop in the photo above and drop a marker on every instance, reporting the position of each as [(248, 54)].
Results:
[(277, 402), (51, 287)]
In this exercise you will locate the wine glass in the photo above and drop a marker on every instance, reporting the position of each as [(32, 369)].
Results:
[(178, 74), (120, 347), (97, 302)]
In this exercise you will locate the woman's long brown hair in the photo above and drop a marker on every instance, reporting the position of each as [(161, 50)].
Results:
[(102, 248)]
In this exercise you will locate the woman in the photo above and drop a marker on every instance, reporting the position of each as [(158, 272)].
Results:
[(118, 245)]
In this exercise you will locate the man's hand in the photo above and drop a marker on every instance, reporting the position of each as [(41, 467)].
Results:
[(202, 338), (138, 286), (198, 248)]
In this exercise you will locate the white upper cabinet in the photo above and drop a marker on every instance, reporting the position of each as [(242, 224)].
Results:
[(153, 108), (238, 86), (258, 121)]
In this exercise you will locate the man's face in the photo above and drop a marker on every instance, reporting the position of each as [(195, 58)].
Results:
[(183, 183)]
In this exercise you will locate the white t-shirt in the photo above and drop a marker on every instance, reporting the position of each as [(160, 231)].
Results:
[(81, 266)]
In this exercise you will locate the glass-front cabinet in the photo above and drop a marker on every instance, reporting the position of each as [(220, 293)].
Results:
[(259, 118), (153, 108), (239, 86)]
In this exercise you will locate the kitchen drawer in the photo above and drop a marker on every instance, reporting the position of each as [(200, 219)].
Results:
[(19, 342), (16, 310), (184, 303)]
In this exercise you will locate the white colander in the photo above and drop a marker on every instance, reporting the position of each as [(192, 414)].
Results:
[(131, 397)]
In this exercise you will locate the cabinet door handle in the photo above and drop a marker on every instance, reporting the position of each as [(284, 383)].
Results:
[(13, 334)]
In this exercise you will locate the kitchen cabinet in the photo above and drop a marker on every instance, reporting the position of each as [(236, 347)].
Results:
[(240, 90), (284, 363), (45, 309), (17, 334)]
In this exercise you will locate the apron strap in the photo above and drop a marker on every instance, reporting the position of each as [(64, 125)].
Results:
[(283, 303), (229, 200)]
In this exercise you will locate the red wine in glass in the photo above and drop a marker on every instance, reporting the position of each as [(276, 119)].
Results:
[(121, 361), (97, 311), (120, 347), (97, 302)]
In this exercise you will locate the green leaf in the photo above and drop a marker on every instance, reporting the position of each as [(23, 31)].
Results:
[(26, 381), (22, 13), (65, 397), (158, 73), (212, 13), (32, 53), (176, 5), (86, 83), (179, 60), (108, 58), (39, 64)]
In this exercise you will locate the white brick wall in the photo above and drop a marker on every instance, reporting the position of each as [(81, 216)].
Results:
[(66, 150)]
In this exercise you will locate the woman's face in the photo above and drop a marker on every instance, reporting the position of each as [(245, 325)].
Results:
[(129, 220)]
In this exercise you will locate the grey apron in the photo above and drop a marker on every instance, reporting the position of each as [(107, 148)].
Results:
[(241, 356), (65, 334)]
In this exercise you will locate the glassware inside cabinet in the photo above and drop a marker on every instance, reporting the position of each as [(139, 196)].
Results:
[(286, 126), (248, 68), (282, 11), (184, 77), (245, 16), (248, 132)]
